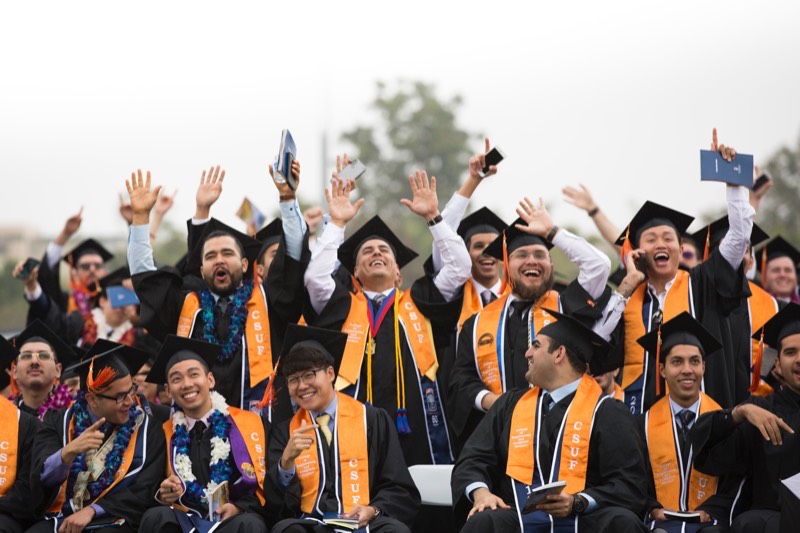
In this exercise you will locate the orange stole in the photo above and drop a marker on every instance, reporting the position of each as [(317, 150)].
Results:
[(761, 307), (574, 458), (664, 458), (676, 302), (119, 475), (418, 335), (9, 442), (259, 349), (252, 430), (472, 302), (484, 343), (619, 394), (353, 456)]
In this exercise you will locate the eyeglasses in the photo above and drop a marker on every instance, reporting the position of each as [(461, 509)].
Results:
[(539, 255), (122, 396), (41, 356), (306, 377), (89, 266)]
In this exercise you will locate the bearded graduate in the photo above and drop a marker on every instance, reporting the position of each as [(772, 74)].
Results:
[(337, 455), (99, 462), (216, 459)]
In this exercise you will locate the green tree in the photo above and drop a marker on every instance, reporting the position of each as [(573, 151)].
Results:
[(779, 212), (415, 129)]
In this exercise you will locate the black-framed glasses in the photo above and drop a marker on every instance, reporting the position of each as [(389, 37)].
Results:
[(306, 377), (90, 265), (122, 396), (41, 356)]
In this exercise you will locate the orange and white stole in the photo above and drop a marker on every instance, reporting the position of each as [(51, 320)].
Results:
[(9, 444), (675, 488), (472, 302), (350, 447), (761, 306)]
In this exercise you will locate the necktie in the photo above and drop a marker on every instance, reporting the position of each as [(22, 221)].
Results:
[(547, 402), (378, 300), (322, 422), (487, 297), (685, 417), (223, 320), (197, 430)]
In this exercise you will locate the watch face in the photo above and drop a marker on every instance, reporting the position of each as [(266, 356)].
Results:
[(578, 505)]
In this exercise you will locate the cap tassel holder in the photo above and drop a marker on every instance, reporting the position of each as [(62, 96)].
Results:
[(708, 244), (627, 247), (758, 355), (658, 358), (103, 379)]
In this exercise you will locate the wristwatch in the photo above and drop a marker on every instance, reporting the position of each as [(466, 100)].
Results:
[(579, 504), (378, 512)]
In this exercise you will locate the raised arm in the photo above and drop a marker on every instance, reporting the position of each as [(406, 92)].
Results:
[(582, 199), (294, 226), (140, 252)]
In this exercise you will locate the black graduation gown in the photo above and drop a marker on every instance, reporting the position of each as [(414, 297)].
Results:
[(717, 291), (741, 450), (390, 485), (162, 294), (49, 280), (16, 504), (615, 472), (415, 446), (466, 382), (128, 502)]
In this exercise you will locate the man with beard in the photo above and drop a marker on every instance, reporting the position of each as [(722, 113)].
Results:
[(491, 346), (36, 363), (243, 313), (99, 461)]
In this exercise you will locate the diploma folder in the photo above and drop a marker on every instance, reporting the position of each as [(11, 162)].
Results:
[(340, 520), (689, 518), (737, 172), (539, 495), (286, 154)]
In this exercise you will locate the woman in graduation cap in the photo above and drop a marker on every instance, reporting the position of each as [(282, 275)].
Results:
[(99, 461), (216, 459)]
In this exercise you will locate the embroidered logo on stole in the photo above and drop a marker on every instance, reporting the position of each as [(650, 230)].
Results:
[(9, 443)]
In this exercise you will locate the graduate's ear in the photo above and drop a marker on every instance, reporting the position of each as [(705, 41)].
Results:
[(661, 371), (245, 264), (211, 381)]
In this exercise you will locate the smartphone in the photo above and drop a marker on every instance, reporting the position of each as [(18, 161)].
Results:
[(493, 158), (762, 180), (353, 170), (641, 263), (27, 268)]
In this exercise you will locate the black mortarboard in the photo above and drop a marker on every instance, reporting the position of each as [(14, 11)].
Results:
[(269, 235), (328, 341), (681, 329), (176, 349), (481, 221), (579, 340), (38, 331), (115, 278), (514, 239), (374, 228), (252, 247), (775, 248), (718, 229), (68, 372), (651, 215), (8, 353), (89, 246), (786, 322), (123, 360)]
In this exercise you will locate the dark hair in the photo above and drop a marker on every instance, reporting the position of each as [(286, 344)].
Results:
[(303, 357), (222, 233), (575, 362)]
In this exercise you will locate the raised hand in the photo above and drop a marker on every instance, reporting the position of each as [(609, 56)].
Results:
[(71, 226), (31, 281), (208, 191), (580, 198), (478, 162), (341, 162), (424, 202), (313, 216), (727, 152), (301, 440), (283, 188), (165, 203), (537, 220), (91, 439), (125, 210), (340, 208), (142, 198)]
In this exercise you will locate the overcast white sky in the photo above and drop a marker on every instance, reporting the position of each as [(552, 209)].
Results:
[(618, 95)]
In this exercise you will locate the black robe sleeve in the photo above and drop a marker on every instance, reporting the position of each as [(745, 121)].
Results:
[(160, 300), (464, 385), (17, 503), (68, 326), (50, 282), (284, 285)]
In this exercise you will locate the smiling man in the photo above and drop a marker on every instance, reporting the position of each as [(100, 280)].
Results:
[(100, 460), (209, 444), (336, 455)]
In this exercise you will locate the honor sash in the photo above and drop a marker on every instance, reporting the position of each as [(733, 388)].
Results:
[(488, 342), (257, 334), (9, 444), (675, 488), (350, 447)]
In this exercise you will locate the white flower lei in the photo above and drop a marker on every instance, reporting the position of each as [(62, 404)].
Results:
[(220, 448)]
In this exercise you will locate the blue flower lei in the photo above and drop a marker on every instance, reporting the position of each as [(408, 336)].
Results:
[(219, 471), (238, 317), (80, 411)]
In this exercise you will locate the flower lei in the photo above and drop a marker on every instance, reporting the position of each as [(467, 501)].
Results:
[(59, 397), (238, 317), (220, 470), (113, 459)]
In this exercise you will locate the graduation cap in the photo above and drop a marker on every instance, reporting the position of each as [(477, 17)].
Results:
[(269, 235), (579, 339), (327, 341), (37, 331), (115, 278), (514, 239), (651, 215), (8, 353), (108, 361), (786, 322), (374, 228), (89, 246), (481, 221), (68, 372), (681, 329), (777, 247), (177, 349), (711, 235), (252, 247)]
